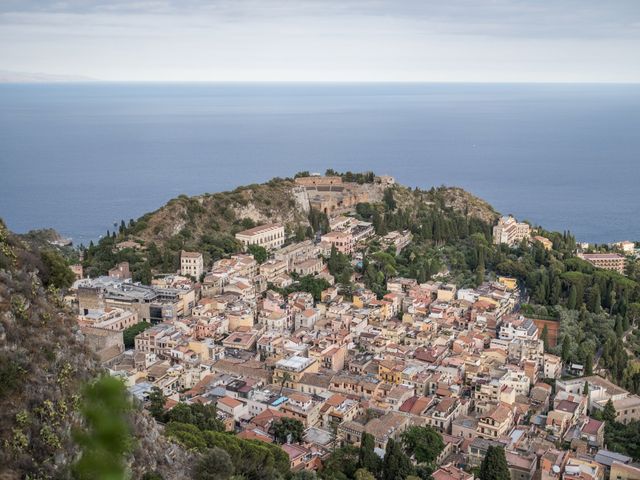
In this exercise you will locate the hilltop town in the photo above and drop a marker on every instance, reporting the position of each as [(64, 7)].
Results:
[(335, 332)]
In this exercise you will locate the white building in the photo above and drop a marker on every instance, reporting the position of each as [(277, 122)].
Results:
[(191, 264), (270, 236), (521, 327), (510, 232)]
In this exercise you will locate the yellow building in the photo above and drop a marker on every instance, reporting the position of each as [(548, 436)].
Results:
[(390, 371), (510, 283), (621, 471)]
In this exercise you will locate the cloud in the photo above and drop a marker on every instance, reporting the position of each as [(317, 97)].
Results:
[(510, 40)]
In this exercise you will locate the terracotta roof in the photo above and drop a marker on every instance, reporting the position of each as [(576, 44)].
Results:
[(230, 402), (592, 426)]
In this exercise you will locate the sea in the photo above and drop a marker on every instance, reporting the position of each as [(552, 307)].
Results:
[(81, 157)]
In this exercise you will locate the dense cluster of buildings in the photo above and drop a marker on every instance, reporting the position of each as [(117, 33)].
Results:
[(461, 360)]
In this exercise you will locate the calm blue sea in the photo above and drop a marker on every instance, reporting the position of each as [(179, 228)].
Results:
[(79, 157)]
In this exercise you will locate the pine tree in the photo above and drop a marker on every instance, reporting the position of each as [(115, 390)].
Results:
[(494, 466)]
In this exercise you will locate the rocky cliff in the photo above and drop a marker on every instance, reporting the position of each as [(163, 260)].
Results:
[(43, 367)]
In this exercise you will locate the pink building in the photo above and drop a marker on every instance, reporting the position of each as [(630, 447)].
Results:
[(343, 241)]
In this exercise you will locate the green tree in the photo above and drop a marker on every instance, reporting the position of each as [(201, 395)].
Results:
[(143, 274), (304, 475), (319, 221), (572, 301), (545, 338), (633, 313), (286, 377), (609, 412), (154, 257), (588, 363), (201, 416), (259, 253), (594, 300), (156, 403), (341, 464), (363, 474), (215, 464), (129, 334), (480, 269), (106, 439), (287, 430), (423, 443), (252, 459), (56, 272), (494, 465), (310, 284), (339, 266), (396, 465), (368, 459), (566, 348), (388, 200)]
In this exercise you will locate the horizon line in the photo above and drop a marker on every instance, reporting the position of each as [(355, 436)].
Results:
[(53, 81)]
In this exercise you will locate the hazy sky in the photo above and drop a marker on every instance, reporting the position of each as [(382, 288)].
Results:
[(330, 40)]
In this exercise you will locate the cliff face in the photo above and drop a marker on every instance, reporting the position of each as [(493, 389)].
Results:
[(43, 367), (200, 215)]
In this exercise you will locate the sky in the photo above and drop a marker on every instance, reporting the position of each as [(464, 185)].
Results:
[(324, 40)]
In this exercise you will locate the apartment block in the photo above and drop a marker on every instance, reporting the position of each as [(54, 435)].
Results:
[(191, 264), (606, 261), (510, 232), (270, 236)]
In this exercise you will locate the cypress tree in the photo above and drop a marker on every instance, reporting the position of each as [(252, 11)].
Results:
[(396, 464), (367, 457), (545, 338), (588, 364), (566, 348), (609, 412), (481, 268), (594, 300), (494, 466)]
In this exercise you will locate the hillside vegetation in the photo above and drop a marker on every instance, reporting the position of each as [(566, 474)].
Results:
[(44, 368), (207, 223)]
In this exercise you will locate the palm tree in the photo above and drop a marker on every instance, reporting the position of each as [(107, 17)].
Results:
[(286, 377)]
